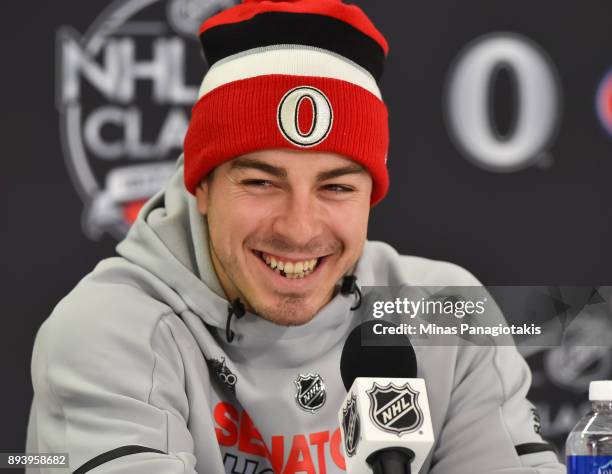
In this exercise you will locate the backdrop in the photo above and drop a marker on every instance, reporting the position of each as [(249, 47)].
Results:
[(500, 160)]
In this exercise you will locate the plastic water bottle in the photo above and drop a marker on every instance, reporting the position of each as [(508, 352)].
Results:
[(589, 445)]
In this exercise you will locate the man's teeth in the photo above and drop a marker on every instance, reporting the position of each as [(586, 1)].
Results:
[(291, 269)]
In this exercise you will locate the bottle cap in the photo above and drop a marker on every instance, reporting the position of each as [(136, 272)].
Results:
[(600, 390)]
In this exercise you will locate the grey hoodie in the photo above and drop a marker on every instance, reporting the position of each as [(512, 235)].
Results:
[(132, 372)]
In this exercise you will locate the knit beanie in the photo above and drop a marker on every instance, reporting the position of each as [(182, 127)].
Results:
[(296, 74)]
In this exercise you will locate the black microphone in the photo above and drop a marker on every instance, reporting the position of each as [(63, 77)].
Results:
[(385, 419)]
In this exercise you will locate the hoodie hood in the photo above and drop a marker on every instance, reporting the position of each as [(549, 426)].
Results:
[(170, 240)]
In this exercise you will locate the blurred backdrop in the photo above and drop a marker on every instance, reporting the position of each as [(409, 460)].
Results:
[(500, 160)]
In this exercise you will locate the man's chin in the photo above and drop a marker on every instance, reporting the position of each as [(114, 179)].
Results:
[(293, 313), (289, 308)]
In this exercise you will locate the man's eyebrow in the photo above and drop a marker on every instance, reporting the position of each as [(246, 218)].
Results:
[(335, 173), (279, 172), (250, 163)]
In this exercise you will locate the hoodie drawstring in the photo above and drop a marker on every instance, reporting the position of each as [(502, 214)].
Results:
[(235, 308), (349, 287)]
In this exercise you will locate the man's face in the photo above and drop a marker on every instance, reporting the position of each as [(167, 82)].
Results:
[(284, 227)]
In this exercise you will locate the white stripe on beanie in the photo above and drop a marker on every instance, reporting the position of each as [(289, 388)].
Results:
[(287, 59)]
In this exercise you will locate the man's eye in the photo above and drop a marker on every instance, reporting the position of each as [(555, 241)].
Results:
[(256, 182), (338, 188)]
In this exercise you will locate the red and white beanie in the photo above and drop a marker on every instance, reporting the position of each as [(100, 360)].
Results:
[(290, 74)]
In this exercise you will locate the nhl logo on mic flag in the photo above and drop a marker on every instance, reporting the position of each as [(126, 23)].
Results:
[(351, 426), (398, 417), (395, 409)]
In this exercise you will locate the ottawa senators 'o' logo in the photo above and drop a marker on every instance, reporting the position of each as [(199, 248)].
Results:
[(305, 116)]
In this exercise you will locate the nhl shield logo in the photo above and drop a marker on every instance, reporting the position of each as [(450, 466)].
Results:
[(395, 409), (310, 394), (351, 426)]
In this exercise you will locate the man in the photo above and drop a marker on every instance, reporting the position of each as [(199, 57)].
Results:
[(189, 351)]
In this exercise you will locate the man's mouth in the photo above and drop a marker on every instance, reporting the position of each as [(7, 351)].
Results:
[(289, 268)]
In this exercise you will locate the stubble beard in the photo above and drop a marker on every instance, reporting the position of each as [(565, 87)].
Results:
[(286, 310)]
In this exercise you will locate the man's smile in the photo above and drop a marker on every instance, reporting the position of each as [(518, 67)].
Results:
[(291, 268)]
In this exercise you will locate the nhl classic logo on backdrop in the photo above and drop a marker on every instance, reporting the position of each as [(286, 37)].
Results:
[(395, 409), (124, 92)]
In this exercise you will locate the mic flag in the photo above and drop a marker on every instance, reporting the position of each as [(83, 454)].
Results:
[(380, 413)]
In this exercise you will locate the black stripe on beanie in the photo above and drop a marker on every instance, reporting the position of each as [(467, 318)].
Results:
[(270, 28)]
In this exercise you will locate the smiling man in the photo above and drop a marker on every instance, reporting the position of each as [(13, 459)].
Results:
[(212, 342), (284, 227)]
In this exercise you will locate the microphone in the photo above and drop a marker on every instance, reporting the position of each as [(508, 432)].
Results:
[(385, 419)]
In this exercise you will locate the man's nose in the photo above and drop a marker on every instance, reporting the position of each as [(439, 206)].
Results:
[(300, 218)]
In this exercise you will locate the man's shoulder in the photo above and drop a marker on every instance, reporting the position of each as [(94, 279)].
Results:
[(107, 332), (109, 343), (109, 305), (391, 268)]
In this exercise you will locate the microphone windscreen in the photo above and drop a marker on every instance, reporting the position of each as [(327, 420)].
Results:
[(367, 355)]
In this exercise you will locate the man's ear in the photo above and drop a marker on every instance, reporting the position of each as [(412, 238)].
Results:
[(202, 196)]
